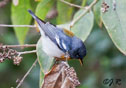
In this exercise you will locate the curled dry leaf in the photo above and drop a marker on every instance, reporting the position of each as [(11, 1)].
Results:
[(61, 76)]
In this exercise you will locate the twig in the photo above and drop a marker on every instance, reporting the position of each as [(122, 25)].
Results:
[(19, 84), (27, 52), (5, 25), (16, 46), (73, 5), (81, 15)]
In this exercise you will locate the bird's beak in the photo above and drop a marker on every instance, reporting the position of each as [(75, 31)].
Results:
[(81, 61)]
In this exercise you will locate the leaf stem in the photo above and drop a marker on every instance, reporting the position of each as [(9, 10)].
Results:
[(72, 5), (16, 46), (27, 52), (84, 13), (27, 73), (5, 25)]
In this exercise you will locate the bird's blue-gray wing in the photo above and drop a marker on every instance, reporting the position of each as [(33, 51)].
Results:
[(57, 36)]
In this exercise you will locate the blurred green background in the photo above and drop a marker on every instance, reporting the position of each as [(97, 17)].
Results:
[(103, 60)]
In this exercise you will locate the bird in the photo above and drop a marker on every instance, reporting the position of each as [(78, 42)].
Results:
[(58, 42)]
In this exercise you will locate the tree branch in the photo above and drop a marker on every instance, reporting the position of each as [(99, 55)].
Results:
[(5, 25), (84, 13), (73, 5), (16, 46), (27, 52), (33, 65)]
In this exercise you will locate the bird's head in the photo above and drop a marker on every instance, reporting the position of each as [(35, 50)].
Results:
[(78, 50)]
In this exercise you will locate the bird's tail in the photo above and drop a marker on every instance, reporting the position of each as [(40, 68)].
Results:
[(41, 23), (32, 14), (35, 17)]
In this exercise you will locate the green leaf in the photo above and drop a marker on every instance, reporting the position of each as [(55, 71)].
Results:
[(43, 7), (84, 26), (41, 78), (115, 23), (20, 16), (45, 61), (64, 12)]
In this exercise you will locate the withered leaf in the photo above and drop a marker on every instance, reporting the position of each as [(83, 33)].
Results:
[(61, 76)]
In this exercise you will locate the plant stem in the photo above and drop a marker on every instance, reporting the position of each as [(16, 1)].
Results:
[(22, 80), (84, 13), (16, 46), (73, 5), (27, 52), (5, 25)]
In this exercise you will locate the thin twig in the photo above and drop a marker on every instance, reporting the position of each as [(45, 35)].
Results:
[(73, 5), (5, 25), (16, 46), (27, 52), (22, 80), (81, 15)]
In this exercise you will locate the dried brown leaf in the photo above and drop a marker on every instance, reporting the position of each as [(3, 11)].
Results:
[(61, 76)]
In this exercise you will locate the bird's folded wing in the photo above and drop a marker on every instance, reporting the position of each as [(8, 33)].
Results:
[(57, 35)]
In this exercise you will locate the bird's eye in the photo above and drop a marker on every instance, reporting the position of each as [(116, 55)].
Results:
[(77, 55)]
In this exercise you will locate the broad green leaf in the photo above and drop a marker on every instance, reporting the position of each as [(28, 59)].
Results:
[(115, 22), (20, 16), (45, 61), (43, 7), (64, 12), (84, 26)]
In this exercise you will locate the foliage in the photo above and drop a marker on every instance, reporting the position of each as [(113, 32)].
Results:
[(114, 21), (106, 20), (18, 18)]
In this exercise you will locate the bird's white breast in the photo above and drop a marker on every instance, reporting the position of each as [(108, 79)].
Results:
[(51, 48)]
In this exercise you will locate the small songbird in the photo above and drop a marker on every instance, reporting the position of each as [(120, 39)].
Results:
[(60, 43)]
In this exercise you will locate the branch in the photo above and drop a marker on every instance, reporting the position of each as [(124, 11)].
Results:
[(5, 25), (33, 65), (11, 54), (16, 46), (84, 13), (27, 52), (73, 5)]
